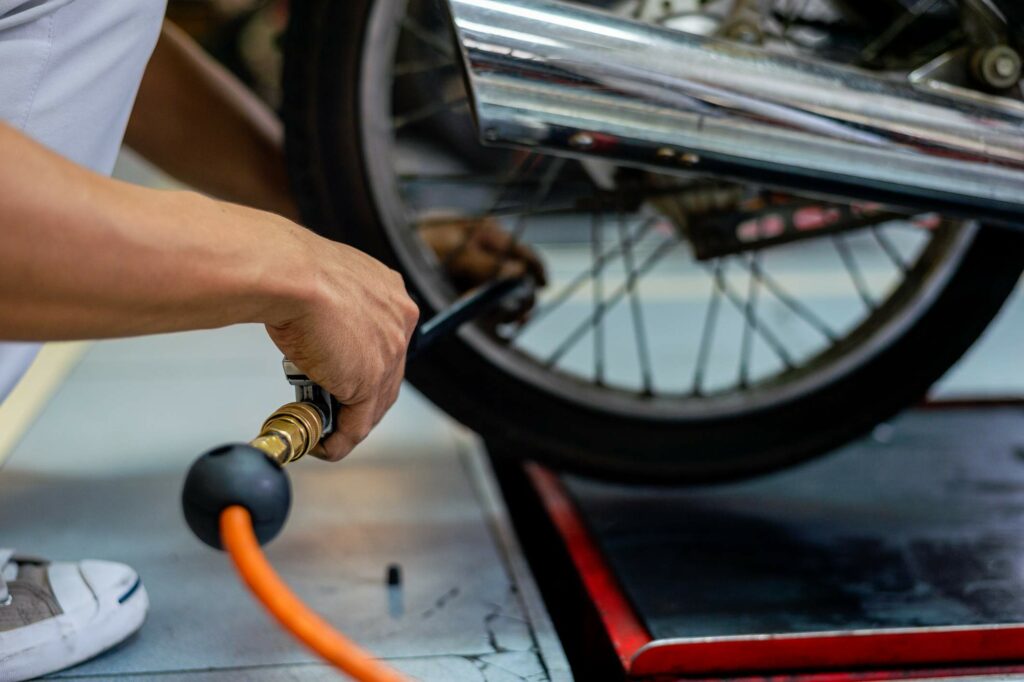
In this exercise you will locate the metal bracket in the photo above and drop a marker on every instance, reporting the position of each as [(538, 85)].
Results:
[(308, 391)]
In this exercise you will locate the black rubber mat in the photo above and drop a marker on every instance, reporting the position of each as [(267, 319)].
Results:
[(920, 525)]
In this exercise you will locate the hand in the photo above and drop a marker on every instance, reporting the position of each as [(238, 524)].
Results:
[(88, 257), (350, 338), (474, 251)]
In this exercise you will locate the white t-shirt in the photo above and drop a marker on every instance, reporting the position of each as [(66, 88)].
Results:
[(69, 73)]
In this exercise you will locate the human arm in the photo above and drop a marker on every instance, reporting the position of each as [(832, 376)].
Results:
[(85, 256)]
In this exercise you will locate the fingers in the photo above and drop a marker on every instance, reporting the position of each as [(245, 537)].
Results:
[(476, 266), (354, 422), (519, 308), (492, 237), (511, 268), (532, 261), (351, 337), (389, 395), (474, 251), (505, 249)]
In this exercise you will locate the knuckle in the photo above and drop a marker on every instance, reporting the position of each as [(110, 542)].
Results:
[(412, 312), (379, 372), (399, 342), (334, 452)]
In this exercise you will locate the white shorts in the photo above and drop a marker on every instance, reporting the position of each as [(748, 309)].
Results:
[(69, 73)]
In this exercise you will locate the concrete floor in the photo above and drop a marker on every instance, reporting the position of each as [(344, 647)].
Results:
[(97, 473)]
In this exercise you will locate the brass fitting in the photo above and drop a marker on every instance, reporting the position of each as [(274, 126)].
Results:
[(291, 432)]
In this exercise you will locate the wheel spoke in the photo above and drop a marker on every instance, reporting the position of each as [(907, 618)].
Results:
[(427, 110), (462, 179), (547, 184), (620, 292), (597, 291), (890, 249), (856, 276), (523, 165), (425, 36), (749, 315), (528, 211), (421, 66), (796, 307), (558, 299), (636, 308), (535, 187), (707, 333), (760, 329)]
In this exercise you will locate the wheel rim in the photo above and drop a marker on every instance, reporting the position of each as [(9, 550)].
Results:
[(740, 284)]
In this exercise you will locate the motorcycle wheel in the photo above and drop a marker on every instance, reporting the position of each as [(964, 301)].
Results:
[(337, 110)]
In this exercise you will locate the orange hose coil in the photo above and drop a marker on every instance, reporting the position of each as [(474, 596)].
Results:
[(239, 540)]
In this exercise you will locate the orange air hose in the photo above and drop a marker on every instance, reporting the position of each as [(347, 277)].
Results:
[(239, 540)]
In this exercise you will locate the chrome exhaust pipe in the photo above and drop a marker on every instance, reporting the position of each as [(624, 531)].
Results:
[(569, 80)]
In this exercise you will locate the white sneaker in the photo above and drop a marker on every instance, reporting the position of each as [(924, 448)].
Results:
[(56, 615)]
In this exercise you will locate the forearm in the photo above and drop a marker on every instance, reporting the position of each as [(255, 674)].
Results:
[(87, 257), (195, 121)]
